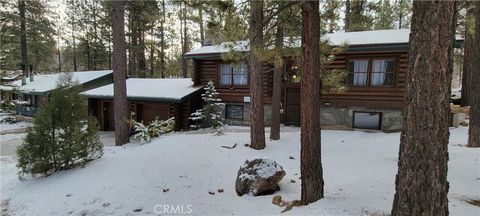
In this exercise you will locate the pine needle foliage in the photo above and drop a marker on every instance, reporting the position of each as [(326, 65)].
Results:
[(63, 135)]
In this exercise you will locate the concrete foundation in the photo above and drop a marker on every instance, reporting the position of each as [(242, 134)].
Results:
[(391, 119), (332, 117)]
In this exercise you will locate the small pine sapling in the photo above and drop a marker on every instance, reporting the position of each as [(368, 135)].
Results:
[(211, 114)]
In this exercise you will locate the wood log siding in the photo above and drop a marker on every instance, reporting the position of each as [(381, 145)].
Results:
[(207, 70), (375, 97), (147, 111)]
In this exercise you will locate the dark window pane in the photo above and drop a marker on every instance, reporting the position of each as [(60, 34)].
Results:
[(234, 111), (390, 66), (351, 65), (367, 120), (350, 78), (390, 79)]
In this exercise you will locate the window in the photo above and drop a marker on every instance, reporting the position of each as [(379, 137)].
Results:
[(233, 75), (234, 112), (367, 120), (371, 72)]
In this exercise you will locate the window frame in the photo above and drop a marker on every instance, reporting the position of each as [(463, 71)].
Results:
[(232, 86), (380, 114), (234, 105), (370, 60)]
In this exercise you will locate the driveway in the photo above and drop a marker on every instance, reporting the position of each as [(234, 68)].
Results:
[(10, 141)]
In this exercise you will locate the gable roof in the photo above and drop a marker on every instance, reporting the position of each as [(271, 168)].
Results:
[(44, 83), (164, 90), (354, 39)]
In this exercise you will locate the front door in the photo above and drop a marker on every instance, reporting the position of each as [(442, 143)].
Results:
[(292, 104), (108, 115)]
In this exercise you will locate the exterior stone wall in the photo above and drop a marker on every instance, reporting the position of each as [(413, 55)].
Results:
[(331, 117), (246, 115), (391, 119)]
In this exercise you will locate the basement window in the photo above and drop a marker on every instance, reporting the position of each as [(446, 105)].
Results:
[(234, 112), (367, 120)]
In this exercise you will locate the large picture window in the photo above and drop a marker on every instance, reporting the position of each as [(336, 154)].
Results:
[(233, 74), (371, 72)]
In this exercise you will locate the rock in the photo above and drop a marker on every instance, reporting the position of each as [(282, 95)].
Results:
[(259, 177), (277, 200)]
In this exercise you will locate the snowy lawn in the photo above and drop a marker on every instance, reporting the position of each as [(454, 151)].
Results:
[(359, 172), (4, 127)]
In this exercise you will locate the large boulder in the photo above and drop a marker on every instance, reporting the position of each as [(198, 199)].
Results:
[(259, 177)]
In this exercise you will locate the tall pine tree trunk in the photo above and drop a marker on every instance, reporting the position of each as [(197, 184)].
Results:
[(152, 52), (347, 16), (23, 41), (277, 82), (162, 41), (257, 124), (185, 41), (468, 57), (400, 14), (421, 182), (200, 21), (74, 46), (142, 62), (474, 129), (109, 52), (119, 76), (311, 162), (95, 36)]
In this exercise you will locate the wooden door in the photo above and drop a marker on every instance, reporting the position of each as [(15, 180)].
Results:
[(108, 115), (292, 105)]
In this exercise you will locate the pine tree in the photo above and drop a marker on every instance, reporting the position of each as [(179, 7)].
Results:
[(120, 101), (40, 32), (468, 55), (358, 15), (385, 15), (63, 134), (211, 114), (257, 124), (421, 184), (311, 159), (474, 129)]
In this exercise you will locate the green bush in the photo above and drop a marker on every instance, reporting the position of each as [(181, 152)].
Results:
[(63, 134)]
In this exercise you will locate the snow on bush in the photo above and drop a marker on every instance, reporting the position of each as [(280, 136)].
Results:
[(211, 114), (156, 128)]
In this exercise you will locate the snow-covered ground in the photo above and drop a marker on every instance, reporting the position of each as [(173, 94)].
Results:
[(359, 173), (8, 127)]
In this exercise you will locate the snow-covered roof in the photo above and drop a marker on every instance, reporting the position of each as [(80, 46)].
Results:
[(376, 37), (169, 90), (47, 82)]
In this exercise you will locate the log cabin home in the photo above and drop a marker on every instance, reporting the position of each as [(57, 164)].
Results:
[(375, 63), (32, 95), (148, 99)]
